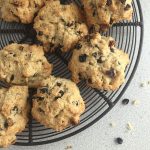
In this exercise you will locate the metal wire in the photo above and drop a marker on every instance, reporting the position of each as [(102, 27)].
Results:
[(129, 37)]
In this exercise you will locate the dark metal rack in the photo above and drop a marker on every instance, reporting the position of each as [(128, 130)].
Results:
[(129, 37)]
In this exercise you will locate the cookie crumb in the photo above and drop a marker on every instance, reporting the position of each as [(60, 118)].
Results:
[(68, 147), (112, 124), (142, 85), (135, 102), (119, 140), (148, 82), (129, 126)]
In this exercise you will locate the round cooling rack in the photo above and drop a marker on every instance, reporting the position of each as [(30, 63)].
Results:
[(129, 37)]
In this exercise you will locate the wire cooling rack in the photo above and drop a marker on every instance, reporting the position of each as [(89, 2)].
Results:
[(129, 37)]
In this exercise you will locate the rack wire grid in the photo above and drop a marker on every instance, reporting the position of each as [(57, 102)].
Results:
[(129, 37)]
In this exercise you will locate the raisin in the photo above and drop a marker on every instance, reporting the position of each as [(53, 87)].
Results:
[(61, 94), (127, 7), (15, 109), (90, 81), (119, 140), (12, 78), (40, 110), (111, 73), (109, 2), (78, 46), (21, 48), (6, 124), (111, 21), (92, 29), (44, 90), (40, 33), (95, 54), (82, 58), (101, 59), (59, 84), (125, 101), (65, 2), (112, 50), (94, 13), (88, 38), (70, 24), (75, 103), (80, 76), (39, 98), (111, 43), (123, 1)]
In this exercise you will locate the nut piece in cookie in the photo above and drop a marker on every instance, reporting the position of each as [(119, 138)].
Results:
[(23, 64), (58, 103), (96, 60), (102, 14), (60, 25), (20, 10), (14, 109)]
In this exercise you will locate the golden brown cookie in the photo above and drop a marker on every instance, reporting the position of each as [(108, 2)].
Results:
[(20, 10), (23, 64), (14, 110), (96, 59), (101, 14), (59, 25), (58, 103)]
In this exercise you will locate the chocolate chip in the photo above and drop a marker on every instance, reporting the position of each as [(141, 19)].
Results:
[(21, 48), (112, 50), (40, 110), (101, 59), (44, 90), (65, 2), (69, 24), (95, 54), (94, 13), (111, 21), (123, 1), (39, 98), (12, 78), (75, 103), (78, 46), (88, 38), (90, 81), (119, 140), (125, 101), (6, 124), (92, 29), (111, 43), (59, 84), (15, 109), (61, 94), (111, 73), (40, 33), (127, 7), (109, 2), (82, 58)]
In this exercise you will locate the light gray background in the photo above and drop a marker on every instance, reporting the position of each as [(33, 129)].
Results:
[(101, 136)]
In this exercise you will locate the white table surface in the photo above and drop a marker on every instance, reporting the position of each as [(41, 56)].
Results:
[(101, 136)]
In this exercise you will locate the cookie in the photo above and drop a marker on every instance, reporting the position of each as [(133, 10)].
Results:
[(14, 110), (102, 14), (60, 25), (58, 103), (96, 60), (20, 10), (23, 64)]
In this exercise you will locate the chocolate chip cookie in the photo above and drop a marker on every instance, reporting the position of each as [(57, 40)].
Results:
[(101, 14), (20, 10), (23, 64), (58, 103), (14, 110), (97, 60), (60, 25)]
